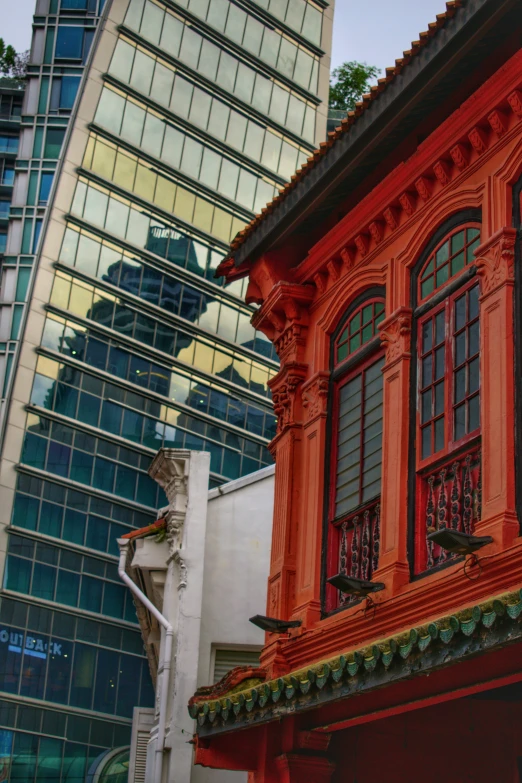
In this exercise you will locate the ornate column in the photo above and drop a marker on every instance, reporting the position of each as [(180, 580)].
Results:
[(393, 567), (495, 267), (283, 317), (314, 396)]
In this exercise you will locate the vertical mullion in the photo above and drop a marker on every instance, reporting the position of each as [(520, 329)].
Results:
[(361, 434)]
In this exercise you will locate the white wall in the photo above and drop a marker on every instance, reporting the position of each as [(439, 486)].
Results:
[(237, 559)]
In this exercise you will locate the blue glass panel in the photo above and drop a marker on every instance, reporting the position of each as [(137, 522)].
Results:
[(67, 588), (113, 600), (69, 88), (44, 579), (106, 681), (125, 482), (45, 187), (83, 675), (58, 458), (97, 533), (51, 519), (34, 451), (104, 474), (25, 511), (91, 594), (69, 42), (17, 574), (81, 467), (74, 526)]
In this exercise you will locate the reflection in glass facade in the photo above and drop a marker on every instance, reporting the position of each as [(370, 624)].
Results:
[(190, 117)]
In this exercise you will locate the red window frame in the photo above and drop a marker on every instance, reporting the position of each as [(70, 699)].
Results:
[(448, 374)]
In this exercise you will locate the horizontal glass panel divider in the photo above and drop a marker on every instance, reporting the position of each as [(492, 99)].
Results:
[(89, 430), (255, 167), (158, 260), (153, 352), (97, 616), (243, 433), (174, 175), (162, 315), (165, 267), (155, 396), (266, 71), (252, 9), (25, 701), (162, 265), (28, 470), (35, 535), (246, 394), (148, 206), (225, 43), (86, 488), (248, 111), (165, 401)]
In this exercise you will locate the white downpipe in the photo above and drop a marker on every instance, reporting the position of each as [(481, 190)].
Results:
[(164, 665)]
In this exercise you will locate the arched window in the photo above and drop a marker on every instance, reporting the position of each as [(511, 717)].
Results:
[(446, 380), (356, 444)]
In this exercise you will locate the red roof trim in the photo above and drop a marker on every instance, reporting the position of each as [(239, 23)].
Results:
[(159, 524)]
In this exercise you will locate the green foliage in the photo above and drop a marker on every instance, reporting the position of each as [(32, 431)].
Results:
[(12, 64), (348, 84)]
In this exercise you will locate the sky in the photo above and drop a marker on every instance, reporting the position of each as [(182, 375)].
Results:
[(374, 31)]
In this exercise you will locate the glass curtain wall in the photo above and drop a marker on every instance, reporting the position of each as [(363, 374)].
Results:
[(204, 108)]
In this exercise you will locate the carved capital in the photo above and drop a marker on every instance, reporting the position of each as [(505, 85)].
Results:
[(283, 317), (396, 335), (170, 468), (284, 387), (315, 395), (495, 260)]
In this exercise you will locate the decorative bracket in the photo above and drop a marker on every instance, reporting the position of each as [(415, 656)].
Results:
[(496, 260), (315, 395), (396, 335)]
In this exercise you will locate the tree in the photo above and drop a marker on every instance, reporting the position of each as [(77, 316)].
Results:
[(12, 64), (348, 84)]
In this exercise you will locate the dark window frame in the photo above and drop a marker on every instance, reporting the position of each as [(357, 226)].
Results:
[(341, 372)]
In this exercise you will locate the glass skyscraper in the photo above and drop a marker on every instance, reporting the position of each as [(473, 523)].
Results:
[(190, 115)]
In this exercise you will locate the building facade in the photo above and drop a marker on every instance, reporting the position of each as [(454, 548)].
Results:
[(15, 282), (388, 277), (190, 116), (204, 570)]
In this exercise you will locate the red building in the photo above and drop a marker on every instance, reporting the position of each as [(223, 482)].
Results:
[(387, 274)]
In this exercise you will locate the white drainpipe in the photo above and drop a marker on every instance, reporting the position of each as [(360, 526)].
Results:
[(163, 666)]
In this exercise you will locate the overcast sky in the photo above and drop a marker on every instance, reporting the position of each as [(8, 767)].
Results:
[(374, 31)]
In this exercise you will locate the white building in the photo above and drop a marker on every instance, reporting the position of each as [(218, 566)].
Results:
[(204, 567)]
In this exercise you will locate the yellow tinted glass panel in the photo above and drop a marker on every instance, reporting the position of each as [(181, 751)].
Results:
[(165, 194), (203, 215), (124, 171), (87, 158), (80, 301), (222, 224), (203, 357), (184, 206), (61, 291), (103, 160), (47, 367), (145, 183)]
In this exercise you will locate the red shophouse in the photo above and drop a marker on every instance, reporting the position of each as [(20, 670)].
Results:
[(388, 275)]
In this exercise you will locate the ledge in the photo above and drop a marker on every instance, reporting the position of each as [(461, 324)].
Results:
[(251, 700)]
